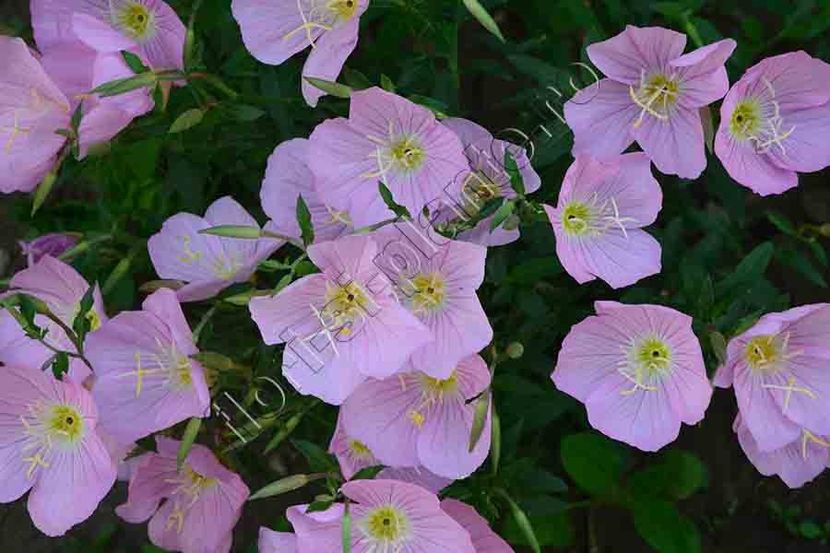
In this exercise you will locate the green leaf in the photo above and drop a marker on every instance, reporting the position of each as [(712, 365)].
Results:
[(187, 120), (330, 87), (82, 324), (318, 458), (482, 406), (677, 474), (304, 220), (593, 462), (188, 438), (386, 194), (120, 86), (234, 231), (512, 168), (386, 83), (521, 520), (284, 485), (810, 530), (43, 189), (134, 62), (283, 433), (60, 365), (495, 439), (483, 17), (502, 213), (245, 113), (782, 223), (708, 128), (749, 270), (665, 529), (367, 473), (718, 343)]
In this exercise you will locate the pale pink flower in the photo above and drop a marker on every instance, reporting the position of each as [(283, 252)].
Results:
[(411, 419), (652, 94), (775, 121), (200, 504), (275, 30), (276, 542), (390, 139), (639, 371), (207, 263), (52, 244), (483, 537), (340, 326), (598, 220), (49, 444), (145, 380)]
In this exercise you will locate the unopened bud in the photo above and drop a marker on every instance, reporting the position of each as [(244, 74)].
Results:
[(824, 229), (515, 350)]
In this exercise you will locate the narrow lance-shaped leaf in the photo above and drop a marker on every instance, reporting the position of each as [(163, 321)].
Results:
[(284, 485), (522, 521), (134, 62), (495, 440), (512, 168), (483, 16), (330, 87), (304, 221), (187, 120), (502, 213), (60, 364), (234, 231), (120, 86), (188, 438), (482, 406)]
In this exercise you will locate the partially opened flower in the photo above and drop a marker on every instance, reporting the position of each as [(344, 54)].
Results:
[(31, 110), (386, 139), (275, 30), (412, 419), (385, 516), (652, 93), (488, 179), (148, 28), (276, 542), (436, 279), (598, 220), (200, 504), (780, 369), (795, 463), (49, 444), (61, 288), (145, 380), (207, 263), (287, 177), (340, 326), (774, 123), (483, 538), (639, 371), (52, 244)]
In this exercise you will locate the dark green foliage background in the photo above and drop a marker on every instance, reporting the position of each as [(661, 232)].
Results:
[(728, 256)]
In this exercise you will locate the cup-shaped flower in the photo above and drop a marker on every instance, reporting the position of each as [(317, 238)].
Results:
[(598, 221), (436, 279), (52, 244), (287, 177), (145, 380), (795, 463), (483, 538), (386, 139), (340, 326), (652, 93), (207, 263), (276, 542), (639, 371), (412, 419), (275, 30), (148, 28), (61, 288), (774, 123), (33, 108), (200, 504), (780, 369), (49, 444)]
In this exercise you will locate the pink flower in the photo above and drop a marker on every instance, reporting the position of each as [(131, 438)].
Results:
[(385, 516), (62, 289), (436, 279), (201, 503), (639, 371), (52, 244), (487, 180), (774, 123), (276, 542), (483, 537), (147, 28), (390, 139), (412, 419), (287, 177), (341, 326), (780, 369), (32, 109), (602, 208), (207, 263), (652, 94), (795, 463), (49, 444), (275, 30), (145, 379)]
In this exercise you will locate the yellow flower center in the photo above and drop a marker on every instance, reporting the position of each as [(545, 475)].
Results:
[(648, 360), (65, 423), (135, 20), (654, 355), (576, 218), (343, 9), (386, 524), (762, 352), (47, 426), (746, 119), (655, 96), (407, 154), (427, 292), (359, 449), (344, 305)]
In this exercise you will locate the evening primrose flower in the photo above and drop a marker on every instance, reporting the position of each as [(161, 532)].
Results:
[(207, 263), (276, 542), (54, 244), (780, 369), (774, 123), (598, 221), (483, 538), (796, 463), (639, 371), (148, 28), (49, 444), (412, 419), (275, 30), (287, 177), (32, 109), (145, 380), (386, 139), (200, 504), (652, 93), (340, 326)]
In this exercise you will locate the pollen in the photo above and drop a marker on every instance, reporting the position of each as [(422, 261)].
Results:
[(66, 423), (437, 388), (576, 218), (745, 120), (762, 353), (428, 291), (343, 9), (654, 355), (344, 305), (655, 96), (647, 360), (407, 154), (359, 450), (135, 20), (387, 525)]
